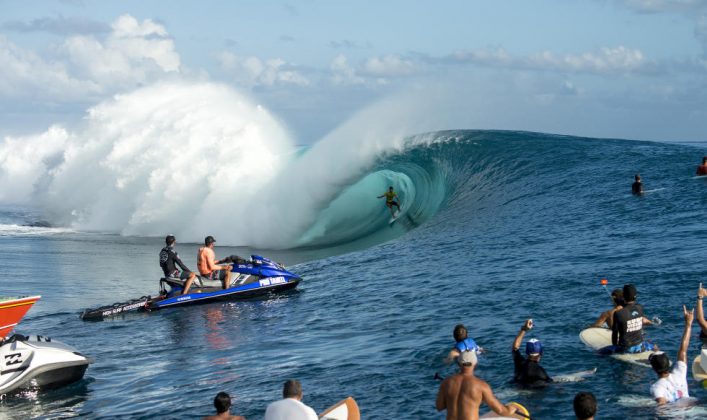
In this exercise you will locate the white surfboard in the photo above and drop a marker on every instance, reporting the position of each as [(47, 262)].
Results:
[(598, 338), (343, 410), (698, 371), (523, 413), (395, 217), (574, 377)]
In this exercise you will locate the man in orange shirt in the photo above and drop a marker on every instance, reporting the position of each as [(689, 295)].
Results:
[(208, 266)]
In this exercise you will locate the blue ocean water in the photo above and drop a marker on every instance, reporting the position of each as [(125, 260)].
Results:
[(498, 227)]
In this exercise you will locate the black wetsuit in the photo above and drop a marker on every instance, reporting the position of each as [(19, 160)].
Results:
[(528, 372), (169, 260), (637, 188), (628, 326)]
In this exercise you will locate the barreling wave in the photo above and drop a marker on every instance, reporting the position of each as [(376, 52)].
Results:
[(199, 158)]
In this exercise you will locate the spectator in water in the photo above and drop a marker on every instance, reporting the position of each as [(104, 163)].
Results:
[(585, 406), (222, 403), (637, 186), (290, 407)]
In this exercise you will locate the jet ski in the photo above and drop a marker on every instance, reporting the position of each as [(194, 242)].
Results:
[(38, 362), (34, 362), (249, 278)]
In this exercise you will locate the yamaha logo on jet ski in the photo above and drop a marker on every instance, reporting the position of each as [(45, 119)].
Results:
[(259, 276)]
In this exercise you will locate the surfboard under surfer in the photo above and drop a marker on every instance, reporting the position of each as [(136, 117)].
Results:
[(390, 197)]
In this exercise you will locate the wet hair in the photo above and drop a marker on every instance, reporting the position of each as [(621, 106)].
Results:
[(704, 160), (585, 405), (618, 296), (292, 388), (637, 177), (659, 362), (222, 402), (460, 333), (630, 293), (169, 240)]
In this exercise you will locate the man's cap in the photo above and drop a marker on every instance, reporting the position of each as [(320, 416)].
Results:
[(467, 358), (659, 362), (209, 240), (534, 347), (630, 293)]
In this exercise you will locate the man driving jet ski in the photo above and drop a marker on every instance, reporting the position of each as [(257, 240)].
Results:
[(169, 260)]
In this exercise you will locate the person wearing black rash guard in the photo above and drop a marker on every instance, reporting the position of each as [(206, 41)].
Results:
[(627, 328), (637, 186), (528, 370), (169, 260)]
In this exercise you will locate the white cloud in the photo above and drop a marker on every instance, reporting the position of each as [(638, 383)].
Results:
[(344, 74), (253, 71), (606, 60), (389, 66), (133, 53), (25, 74), (617, 60)]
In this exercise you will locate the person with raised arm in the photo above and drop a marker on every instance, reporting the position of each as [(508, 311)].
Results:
[(527, 370), (672, 386)]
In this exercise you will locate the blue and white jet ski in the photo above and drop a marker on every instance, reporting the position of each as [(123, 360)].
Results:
[(249, 278)]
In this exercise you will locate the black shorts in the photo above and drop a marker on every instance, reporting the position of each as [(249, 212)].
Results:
[(217, 275), (393, 203)]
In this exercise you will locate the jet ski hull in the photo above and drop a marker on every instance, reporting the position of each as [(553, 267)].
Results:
[(38, 362)]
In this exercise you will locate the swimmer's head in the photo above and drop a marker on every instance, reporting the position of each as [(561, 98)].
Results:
[(460, 333)]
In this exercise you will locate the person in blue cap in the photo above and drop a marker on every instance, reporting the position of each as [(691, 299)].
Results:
[(527, 369), (462, 343)]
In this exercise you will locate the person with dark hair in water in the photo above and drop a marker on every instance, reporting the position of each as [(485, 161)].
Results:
[(208, 266), (637, 186), (463, 343), (222, 403), (390, 197), (702, 169), (585, 406), (672, 386), (607, 317), (627, 326), (169, 260), (527, 369)]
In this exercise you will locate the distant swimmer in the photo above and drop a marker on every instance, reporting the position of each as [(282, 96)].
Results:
[(702, 169), (672, 386), (462, 394), (463, 343), (627, 326), (390, 197), (637, 186), (528, 370)]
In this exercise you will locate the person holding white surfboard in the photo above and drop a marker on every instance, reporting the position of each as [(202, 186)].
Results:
[(627, 328), (527, 369), (672, 386)]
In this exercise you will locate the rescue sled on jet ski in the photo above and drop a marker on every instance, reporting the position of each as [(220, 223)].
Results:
[(33, 362), (249, 278)]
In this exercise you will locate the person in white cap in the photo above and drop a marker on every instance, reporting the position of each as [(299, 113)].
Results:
[(462, 394), (290, 407)]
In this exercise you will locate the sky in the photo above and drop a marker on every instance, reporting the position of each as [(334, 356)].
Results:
[(633, 69)]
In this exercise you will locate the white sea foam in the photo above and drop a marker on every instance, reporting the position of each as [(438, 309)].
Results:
[(194, 159)]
